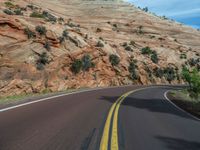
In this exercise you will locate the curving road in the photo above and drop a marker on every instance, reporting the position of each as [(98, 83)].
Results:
[(124, 118)]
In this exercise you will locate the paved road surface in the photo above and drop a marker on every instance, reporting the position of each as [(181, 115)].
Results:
[(101, 119)]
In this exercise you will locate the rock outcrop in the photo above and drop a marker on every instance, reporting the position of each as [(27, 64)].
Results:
[(32, 61)]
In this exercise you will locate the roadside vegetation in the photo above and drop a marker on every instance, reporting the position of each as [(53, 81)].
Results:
[(153, 54), (193, 80), (84, 64), (189, 98), (114, 59), (41, 30), (30, 34), (42, 61), (133, 70)]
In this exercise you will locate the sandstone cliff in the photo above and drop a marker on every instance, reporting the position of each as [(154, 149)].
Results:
[(33, 60)]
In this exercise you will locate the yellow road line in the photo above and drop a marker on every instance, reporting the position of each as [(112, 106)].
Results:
[(105, 137), (114, 136), (114, 111)]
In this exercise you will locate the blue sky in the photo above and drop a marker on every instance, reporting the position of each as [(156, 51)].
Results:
[(184, 11)]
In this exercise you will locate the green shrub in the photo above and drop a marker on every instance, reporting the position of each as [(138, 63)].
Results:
[(65, 33), (100, 38), (146, 50), (132, 70), (132, 43), (52, 18), (31, 7), (8, 12), (61, 39), (87, 62), (154, 57), (114, 60), (140, 30), (193, 79), (37, 15), (47, 45), (128, 48), (183, 56), (18, 12), (125, 44), (169, 74), (41, 30), (9, 4), (76, 66), (42, 61), (145, 9), (98, 30), (158, 72), (99, 44), (60, 19), (192, 62), (115, 25), (30, 34)]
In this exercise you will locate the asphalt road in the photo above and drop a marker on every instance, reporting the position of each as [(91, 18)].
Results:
[(101, 119)]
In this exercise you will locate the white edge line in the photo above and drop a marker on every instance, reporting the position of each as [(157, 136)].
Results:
[(194, 117), (61, 95), (56, 96)]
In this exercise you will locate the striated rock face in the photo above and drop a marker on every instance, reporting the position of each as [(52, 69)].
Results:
[(97, 28)]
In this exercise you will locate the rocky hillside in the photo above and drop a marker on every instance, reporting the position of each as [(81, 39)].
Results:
[(62, 44)]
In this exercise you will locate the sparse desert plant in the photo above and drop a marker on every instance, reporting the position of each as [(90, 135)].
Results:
[(169, 74), (45, 13), (146, 50), (100, 38), (192, 62), (154, 57), (98, 30), (132, 70), (145, 9), (8, 12), (87, 62), (125, 44), (128, 48), (18, 12), (42, 61), (76, 66), (65, 33), (115, 25), (61, 39), (114, 59), (30, 6), (183, 56), (158, 72), (9, 4), (30, 34), (132, 43), (140, 31), (99, 44), (47, 45), (60, 19), (36, 14), (50, 17), (41, 30)]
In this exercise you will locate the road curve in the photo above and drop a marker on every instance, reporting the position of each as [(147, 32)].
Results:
[(141, 120)]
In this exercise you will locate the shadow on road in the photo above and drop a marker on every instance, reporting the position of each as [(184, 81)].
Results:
[(178, 144), (144, 101)]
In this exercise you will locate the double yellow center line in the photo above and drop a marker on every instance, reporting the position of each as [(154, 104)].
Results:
[(111, 125)]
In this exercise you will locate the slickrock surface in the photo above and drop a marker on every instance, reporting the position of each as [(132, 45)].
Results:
[(88, 22)]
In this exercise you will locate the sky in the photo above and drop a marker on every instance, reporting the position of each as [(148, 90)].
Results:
[(184, 11)]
